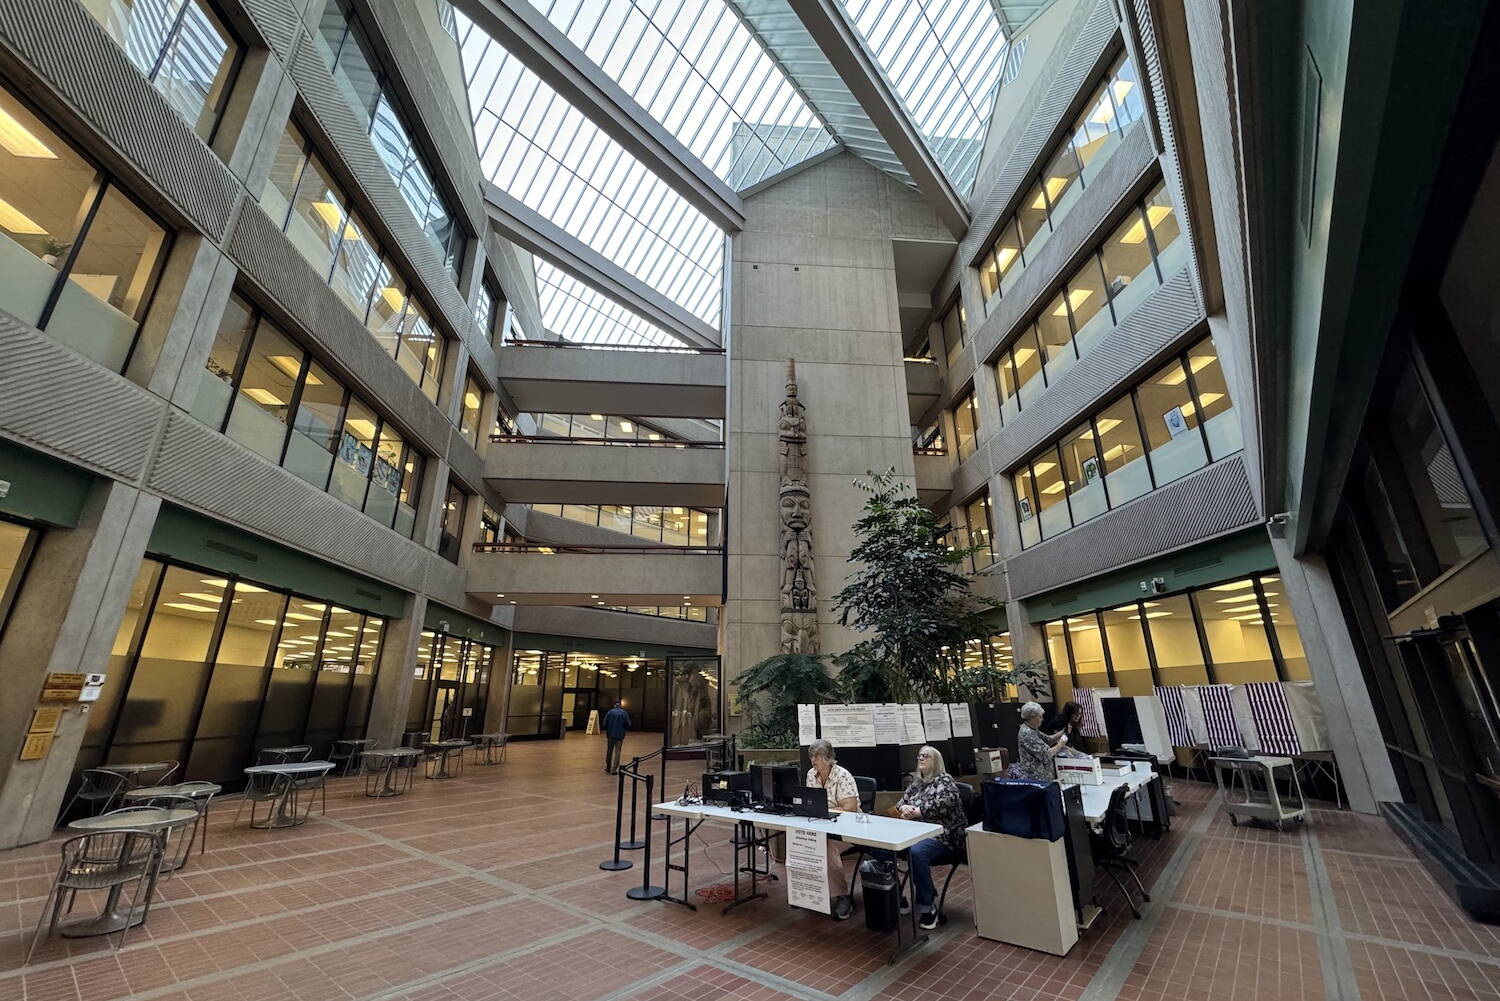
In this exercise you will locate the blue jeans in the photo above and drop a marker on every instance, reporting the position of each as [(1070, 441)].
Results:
[(924, 855)]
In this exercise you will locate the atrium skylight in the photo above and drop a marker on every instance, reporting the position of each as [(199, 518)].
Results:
[(581, 315), (944, 58)]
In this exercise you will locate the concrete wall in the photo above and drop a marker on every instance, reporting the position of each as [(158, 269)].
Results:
[(814, 279)]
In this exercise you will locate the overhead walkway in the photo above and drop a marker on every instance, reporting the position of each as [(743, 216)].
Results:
[(552, 470), (553, 377), (597, 576)]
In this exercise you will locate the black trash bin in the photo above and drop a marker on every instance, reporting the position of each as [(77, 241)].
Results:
[(882, 893)]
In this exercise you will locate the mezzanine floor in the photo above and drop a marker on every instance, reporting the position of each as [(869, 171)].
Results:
[(488, 887)]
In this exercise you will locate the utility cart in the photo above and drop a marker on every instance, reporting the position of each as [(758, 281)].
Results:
[(1253, 789)]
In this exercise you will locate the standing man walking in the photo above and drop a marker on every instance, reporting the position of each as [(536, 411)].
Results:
[(616, 725)]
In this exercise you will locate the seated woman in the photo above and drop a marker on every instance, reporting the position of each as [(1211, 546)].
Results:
[(1036, 750), (843, 794), (932, 797)]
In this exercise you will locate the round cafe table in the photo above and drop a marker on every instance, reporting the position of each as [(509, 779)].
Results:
[(111, 918)]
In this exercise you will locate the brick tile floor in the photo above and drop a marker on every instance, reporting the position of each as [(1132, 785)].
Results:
[(487, 888)]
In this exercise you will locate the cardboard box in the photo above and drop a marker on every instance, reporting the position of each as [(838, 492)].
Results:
[(1079, 771), (992, 760)]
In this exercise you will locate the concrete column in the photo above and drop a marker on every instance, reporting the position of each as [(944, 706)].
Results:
[(398, 659), (179, 331), (455, 371), (64, 619), (1363, 762), (254, 118), (498, 703), (473, 513), (987, 398), (430, 512)]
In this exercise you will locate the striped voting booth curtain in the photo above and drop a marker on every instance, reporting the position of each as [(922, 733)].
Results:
[(1218, 716), (1177, 721), (1090, 722), (1273, 718)]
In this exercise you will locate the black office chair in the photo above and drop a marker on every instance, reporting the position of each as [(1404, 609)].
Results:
[(1111, 846), (973, 813), (866, 787)]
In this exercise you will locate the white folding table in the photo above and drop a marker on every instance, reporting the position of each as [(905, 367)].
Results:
[(1096, 797), (874, 831)]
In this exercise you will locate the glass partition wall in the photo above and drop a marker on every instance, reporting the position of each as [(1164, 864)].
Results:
[(451, 686), (552, 691), (206, 669)]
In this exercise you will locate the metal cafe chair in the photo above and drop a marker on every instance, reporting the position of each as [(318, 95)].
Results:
[(102, 860), (298, 752), (263, 787), (157, 778), (99, 788), (177, 849), (202, 793)]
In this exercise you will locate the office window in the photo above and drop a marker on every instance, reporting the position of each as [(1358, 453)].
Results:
[(421, 350), (953, 325), (1129, 661), (264, 391), (1026, 507), (17, 543), (1086, 644), (453, 523), (1126, 257), (81, 258), (1235, 628), (1006, 387), (182, 47), (1165, 231), (1174, 638), (966, 425), (387, 308), (1055, 335), (1088, 306), (490, 525), (1288, 639), (1109, 460), (468, 420), (1070, 167), (977, 517), (357, 267), (1055, 634), (489, 309), (1026, 353)]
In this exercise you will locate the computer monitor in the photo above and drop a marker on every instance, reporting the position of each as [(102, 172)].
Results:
[(808, 801), (728, 788), (772, 783)]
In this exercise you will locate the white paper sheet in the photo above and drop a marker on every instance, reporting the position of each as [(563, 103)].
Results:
[(807, 869), (887, 723), (848, 726), (807, 723), (935, 721), (962, 725), (912, 731)]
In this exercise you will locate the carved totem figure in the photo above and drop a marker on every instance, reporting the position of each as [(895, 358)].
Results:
[(799, 592)]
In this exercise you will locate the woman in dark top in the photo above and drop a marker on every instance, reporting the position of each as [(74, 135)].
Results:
[(932, 797), (1069, 720)]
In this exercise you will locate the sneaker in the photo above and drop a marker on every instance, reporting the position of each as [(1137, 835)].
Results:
[(928, 920), (843, 908)]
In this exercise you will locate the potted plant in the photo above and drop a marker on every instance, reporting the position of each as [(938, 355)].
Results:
[(769, 693)]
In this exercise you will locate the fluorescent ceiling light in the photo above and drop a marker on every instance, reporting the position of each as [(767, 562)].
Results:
[(264, 397), (189, 608), (21, 141), (13, 220)]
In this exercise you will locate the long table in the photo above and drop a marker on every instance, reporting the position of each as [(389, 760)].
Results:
[(874, 831), (1096, 797)]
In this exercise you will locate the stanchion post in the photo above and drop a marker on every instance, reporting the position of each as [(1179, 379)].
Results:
[(635, 784), (616, 864), (646, 891)]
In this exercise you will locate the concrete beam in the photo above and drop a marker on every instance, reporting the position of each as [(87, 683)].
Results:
[(566, 578), (533, 40), (534, 232), (656, 383), (845, 50), (542, 472)]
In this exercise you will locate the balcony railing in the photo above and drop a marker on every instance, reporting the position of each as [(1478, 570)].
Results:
[(544, 439), (928, 450), (646, 348), (550, 548)]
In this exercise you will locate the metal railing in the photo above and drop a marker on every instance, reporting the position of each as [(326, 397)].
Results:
[(683, 349), (928, 450), (550, 548), (543, 439)]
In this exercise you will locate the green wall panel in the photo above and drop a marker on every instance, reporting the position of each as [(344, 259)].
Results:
[(42, 488), (463, 624)]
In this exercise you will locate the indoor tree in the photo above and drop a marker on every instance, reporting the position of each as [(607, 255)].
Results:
[(770, 692), (910, 595)]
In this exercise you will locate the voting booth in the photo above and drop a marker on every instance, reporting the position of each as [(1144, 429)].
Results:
[(1280, 717), (1137, 719)]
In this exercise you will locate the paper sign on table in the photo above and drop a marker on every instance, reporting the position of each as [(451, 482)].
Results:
[(848, 726), (887, 723), (807, 723), (935, 720), (807, 869), (963, 726), (912, 731)]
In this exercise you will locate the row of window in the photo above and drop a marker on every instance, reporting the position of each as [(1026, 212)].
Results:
[(80, 258), (265, 391), (207, 669), (183, 47), (1076, 160), (1234, 633), (347, 50), (976, 531), (1178, 420), (691, 613), (675, 526), (955, 327), (304, 202), (595, 426)]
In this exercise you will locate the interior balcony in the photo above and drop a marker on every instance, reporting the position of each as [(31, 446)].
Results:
[(596, 575), (552, 377), (934, 474), (923, 387), (526, 468)]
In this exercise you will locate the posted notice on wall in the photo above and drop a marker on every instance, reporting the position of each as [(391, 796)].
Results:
[(807, 869), (849, 726), (935, 719), (912, 731), (887, 723), (807, 723), (963, 726)]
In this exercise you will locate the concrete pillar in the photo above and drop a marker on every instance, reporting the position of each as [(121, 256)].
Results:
[(473, 514), (1363, 762), (430, 512), (498, 703), (398, 659), (254, 118), (179, 331), (64, 619)]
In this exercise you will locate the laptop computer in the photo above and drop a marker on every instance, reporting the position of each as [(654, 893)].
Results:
[(808, 801)]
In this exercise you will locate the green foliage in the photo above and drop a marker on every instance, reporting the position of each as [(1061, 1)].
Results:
[(1035, 677), (911, 593), (770, 692), (863, 678)]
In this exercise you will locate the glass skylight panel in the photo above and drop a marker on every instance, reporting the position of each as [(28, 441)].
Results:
[(581, 315), (699, 71), (545, 153), (944, 58)]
